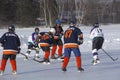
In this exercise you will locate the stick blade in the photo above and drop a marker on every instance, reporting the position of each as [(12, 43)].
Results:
[(115, 59)]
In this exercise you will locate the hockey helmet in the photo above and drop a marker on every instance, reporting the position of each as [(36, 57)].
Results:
[(57, 21), (11, 28), (72, 23), (96, 25), (52, 30), (37, 30)]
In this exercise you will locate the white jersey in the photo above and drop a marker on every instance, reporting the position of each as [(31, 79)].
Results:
[(96, 32)]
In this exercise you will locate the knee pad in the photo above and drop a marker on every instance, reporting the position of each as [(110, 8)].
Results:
[(94, 51)]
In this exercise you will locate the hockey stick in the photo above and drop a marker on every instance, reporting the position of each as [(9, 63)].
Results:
[(38, 60), (114, 59), (51, 62), (23, 55), (26, 57)]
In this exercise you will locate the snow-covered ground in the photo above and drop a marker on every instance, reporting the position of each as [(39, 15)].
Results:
[(106, 70)]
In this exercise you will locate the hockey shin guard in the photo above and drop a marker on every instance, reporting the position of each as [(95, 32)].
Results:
[(78, 62), (60, 50), (3, 64), (54, 47), (13, 64), (47, 53), (65, 63)]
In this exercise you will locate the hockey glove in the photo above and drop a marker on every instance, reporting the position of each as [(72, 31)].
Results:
[(56, 37), (80, 41), (19, 49), (35, 44), (60, 35)]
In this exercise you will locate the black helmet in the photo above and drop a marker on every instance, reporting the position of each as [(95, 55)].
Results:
[(96, 25), (37, 30), (72, 23), (11, 28)]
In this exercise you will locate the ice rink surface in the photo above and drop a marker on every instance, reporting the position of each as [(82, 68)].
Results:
[(106, 70)]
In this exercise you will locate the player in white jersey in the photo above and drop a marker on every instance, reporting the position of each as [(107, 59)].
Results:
[(97, 38)]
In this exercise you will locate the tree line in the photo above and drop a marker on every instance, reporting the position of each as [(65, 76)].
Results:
[(32, 12)]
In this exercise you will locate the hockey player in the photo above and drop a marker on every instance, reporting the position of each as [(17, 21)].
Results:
[(97, 38), (57, 40), (33, 45), (73, 37), (46, 39), (11, 46)]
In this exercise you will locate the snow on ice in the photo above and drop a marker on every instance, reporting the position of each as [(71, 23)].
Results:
[(106, 70)]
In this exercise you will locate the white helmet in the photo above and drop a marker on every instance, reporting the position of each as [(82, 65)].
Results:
[(52, 30)]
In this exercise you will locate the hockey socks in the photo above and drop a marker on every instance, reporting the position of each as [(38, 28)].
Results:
[(78, 62), (54, 47), (65, 63), (47, 53), (60, 51), (3, 64), (13, 64)]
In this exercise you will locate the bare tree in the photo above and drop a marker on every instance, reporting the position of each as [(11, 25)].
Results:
[(60, 9), (50, 11), (80, 8)]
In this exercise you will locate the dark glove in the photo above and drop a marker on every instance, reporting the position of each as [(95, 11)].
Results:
[(56, 37), (35, 44), (19, 49), (80, 41), (60, 35)]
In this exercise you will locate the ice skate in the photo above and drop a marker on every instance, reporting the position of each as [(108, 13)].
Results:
[(60, 58), (46, 61), (80, 69), (96, 61), (1, 73), (64, 69), (37, 57), (53, 58), (14, 72)]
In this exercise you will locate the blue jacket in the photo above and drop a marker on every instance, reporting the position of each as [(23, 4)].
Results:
[(58, 31), (46, 39), (10, 42), (71, 37)]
